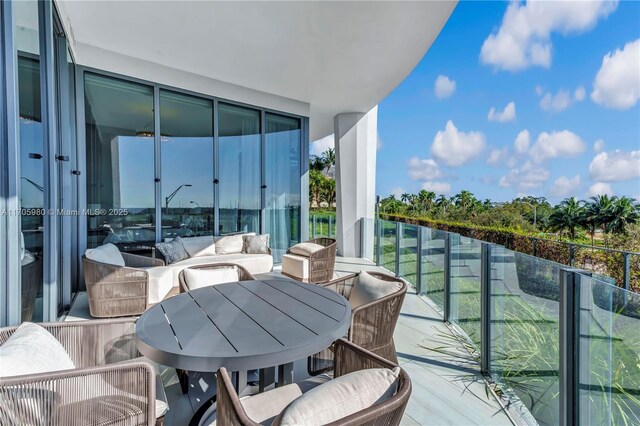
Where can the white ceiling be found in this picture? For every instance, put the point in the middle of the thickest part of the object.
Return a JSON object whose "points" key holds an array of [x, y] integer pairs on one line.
{"points": [[334, 56]]}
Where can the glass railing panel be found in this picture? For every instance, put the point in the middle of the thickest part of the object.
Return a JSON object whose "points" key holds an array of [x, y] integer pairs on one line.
{"points": [[388, 246], [408, 253], [432, 259], [465, 264], [524, 294], [609, 354]]}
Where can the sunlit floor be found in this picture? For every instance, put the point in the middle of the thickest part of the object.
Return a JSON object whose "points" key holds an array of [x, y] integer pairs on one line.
{"points": [[448, 389]]}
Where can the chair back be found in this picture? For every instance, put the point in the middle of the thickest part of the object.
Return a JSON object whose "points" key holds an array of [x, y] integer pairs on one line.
{"points": [[243, 273]]}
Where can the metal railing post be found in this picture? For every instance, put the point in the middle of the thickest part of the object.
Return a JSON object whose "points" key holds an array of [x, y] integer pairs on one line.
{"points": [[329, 230], [572, 252], [398, 241], [313, 226], [378, 240], [627, 270], [534, 243], [447, 277], [485, 308], [420, 231]]}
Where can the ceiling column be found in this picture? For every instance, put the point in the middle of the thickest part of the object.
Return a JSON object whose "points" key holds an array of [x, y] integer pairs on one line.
{"points": [[356, 141]]}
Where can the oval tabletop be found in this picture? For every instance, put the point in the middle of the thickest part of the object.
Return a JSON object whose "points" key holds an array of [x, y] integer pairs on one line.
{"points": [[242, 325]]}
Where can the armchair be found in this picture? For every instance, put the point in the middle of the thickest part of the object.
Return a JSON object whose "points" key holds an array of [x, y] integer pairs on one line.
{"points": [[314, 267]]}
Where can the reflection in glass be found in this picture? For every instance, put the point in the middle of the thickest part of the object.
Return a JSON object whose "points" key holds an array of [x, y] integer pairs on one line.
{"points": [[465, 261], [239, 163], [120, 163], [282, 177], [31, 158], [186, 128]]}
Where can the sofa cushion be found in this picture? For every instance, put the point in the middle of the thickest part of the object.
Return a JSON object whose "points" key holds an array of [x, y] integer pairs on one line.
{"points": [[199, 246], [295, 266], [254, 263], [198, 278], [255, 244], [107, 253], [341, 397], [161, 280], [173, 251], [30, 350], [368, 288], [305, 249], [229, 244]]}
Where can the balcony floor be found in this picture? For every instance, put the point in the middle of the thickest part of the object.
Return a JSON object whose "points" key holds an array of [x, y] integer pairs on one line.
{"points": [[448, 389]]}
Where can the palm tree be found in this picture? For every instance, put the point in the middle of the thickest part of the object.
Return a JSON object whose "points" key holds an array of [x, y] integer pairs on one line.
{"points": [[442, 202], [329, 159], [425, 199], [567, 216], [405, 197], [597, 213], [624, 212]]}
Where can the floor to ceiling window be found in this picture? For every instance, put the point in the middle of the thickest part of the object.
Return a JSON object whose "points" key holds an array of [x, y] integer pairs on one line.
{"points": [[186, 146], [120, 163], [240, 169], [31, 149], [282, 165]]}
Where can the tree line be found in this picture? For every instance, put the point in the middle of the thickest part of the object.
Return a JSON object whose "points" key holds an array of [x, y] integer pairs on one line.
{"points": [[322, 186]]}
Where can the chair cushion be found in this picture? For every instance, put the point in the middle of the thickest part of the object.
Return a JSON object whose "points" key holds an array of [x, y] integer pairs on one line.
{"points": [[173, 251], [200, 246], [30, 350], [295, 266], [305, 249], [255, 244], [368, 288], [264, 407], [341, 397], [161, 281], [229, 244], [198, 278], [254, 263], [107, 253]]}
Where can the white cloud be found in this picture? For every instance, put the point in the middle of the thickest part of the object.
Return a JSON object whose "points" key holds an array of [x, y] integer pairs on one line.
{"points": [[558, 102], [508, 114], [599, 188], [524, 36], [501, 158], [525, 178], [565, 187], [398, 192], [556, 144], [423, 169], [615, 166], [437, 187], [455, 148], [522, 142], [598, 145], [579, 94], [321, 145], [444, 87], [617, 84]]}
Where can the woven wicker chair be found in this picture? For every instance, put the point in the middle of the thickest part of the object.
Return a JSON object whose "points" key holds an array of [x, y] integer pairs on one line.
{"points": [[109, 385], [119, 291], [372, 325], [348, 358], [321, 263], [243, 274]]}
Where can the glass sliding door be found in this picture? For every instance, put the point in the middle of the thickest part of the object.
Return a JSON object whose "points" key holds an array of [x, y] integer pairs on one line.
{"points": [[186, 145], [32, 157], [120, 163], [282, 179]]}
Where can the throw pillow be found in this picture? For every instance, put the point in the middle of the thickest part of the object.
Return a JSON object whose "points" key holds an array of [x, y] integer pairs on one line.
{"points": [[305, 249], [107, 253], [341, 397], [173, 251], [199, 246], [368, 288], [201, 277], [229, 244], [255, 244]]}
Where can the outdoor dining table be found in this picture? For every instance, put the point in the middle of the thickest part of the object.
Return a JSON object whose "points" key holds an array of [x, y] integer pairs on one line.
{"points": [[243, 326]]}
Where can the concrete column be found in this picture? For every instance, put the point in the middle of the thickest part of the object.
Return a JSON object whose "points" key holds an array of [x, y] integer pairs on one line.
{"points": [[356, 141]]}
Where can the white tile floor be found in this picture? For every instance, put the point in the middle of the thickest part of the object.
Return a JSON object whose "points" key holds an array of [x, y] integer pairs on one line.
{"points": [[447, 389]]}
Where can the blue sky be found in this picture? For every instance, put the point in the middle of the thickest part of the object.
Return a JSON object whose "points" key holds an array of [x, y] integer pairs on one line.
{"points": [[564, 96]]}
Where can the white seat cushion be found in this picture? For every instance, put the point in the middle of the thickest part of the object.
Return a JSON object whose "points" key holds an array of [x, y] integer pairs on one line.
{"points": [[296, 266], [254, 263], [31, 349], [229, 244], [341, 397], [369, 288], [198, 278], [199, 246], [264, 407], [107, 253], [305, 249], [161, 281]]}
